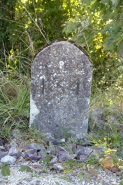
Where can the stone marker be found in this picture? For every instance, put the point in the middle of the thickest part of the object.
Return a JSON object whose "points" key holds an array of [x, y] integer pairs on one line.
{"points": [[60, 90]]}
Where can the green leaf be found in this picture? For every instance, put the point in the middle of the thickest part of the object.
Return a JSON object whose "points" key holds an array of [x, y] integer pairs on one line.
{"points": [[115, 160], [121, 183], [25, 168], [109, 47], [115, 2], [45, 160], [57, 183], [120, 154], [105, 1], [5, 170], [80, 176]]}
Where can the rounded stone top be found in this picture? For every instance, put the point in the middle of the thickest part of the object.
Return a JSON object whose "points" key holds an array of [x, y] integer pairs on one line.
{"points": [[59, 41]]}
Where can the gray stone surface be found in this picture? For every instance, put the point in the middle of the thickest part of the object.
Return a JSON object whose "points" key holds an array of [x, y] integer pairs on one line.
{"points": [[8, 159], [60, 90], [13, 151]]}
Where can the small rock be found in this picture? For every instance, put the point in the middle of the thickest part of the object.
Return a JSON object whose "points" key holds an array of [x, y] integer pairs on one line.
{"points": [[2, 154], [97, 148], [62, 140], [36, 146], [2, 148], [34, 157], [1, 142], [64, 155], [13, 151], [9, 159], [59, 149], [81, 150], [30, 151], [24, 155], [54, 141], [19, 155], [13, 143], [71, 148], [42, 154], [25, 163], [23, 147], [48, 136], [54, 160], [32, 154], [82, 157], [51, 149], [7, 147], [58, 166]]}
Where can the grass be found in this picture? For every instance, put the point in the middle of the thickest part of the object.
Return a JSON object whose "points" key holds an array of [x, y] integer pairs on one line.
{"points": [[14, 103]]}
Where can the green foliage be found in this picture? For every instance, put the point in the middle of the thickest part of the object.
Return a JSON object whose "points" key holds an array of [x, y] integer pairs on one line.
{"points": [[7, 14], [57, 183], [25, 168], [99, 30], [68, 179], [5, 170], [112, 14], [27, 25], [14, 103], [80, 176], [121, 183], [70, 163], [91, 160], [46, 160], [120, 153]]}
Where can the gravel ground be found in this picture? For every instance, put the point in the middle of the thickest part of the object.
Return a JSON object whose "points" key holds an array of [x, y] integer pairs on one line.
{"points": [[80, 176]]}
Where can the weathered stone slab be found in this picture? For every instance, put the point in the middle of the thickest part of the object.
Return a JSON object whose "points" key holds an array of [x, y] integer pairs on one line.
{"points": [[60, 90]]}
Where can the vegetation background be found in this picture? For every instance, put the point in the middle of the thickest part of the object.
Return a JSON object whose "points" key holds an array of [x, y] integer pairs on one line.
{"points": [[26, 25]]}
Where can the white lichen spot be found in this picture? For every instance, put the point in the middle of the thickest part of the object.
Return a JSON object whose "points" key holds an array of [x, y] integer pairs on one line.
{"points": [[89, 80], [50, 65], [42, 77], [88, 100], [33, 110], [54, 74], [61, 64]]}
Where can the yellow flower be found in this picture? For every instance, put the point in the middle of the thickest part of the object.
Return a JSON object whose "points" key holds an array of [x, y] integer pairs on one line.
{"points": [[106, 152], [105, 143], [64, 171], [99, 140], [94, 150], [109, 150], [105, 138], [95, 144]]}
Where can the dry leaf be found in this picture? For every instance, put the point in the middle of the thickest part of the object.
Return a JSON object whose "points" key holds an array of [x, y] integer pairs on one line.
{"points": [[107, 161]]}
